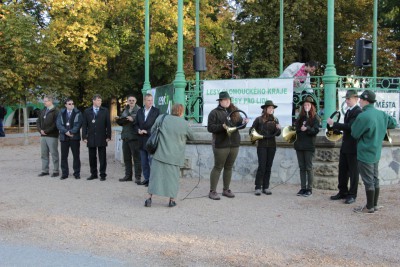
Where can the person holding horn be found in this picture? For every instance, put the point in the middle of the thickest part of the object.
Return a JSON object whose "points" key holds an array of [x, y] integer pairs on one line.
{"points": [[307, 128], [369, 130], [268, 126], [348, 151], [225, 146]]}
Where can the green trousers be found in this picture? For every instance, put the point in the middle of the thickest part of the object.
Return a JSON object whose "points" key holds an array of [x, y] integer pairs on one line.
{"points": [[224, 158]]}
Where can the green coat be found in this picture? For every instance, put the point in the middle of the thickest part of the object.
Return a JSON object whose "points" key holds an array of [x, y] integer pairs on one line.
{"points": [[128, 128], [174, 133], [369, 129]]}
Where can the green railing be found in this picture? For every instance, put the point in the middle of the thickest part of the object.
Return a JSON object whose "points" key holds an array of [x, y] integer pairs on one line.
{"points": [[194, 99]]}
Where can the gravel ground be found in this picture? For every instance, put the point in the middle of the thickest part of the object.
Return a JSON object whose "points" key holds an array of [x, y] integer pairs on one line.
{"points": [[108, 219]]}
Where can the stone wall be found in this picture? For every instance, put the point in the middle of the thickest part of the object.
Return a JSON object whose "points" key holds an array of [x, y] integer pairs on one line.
{"points": [[199, 160]]}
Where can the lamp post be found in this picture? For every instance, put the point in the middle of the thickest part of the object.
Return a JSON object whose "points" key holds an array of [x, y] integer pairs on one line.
{"points": [[233, 42], [180, 82], [146, 84], [330, 77]]}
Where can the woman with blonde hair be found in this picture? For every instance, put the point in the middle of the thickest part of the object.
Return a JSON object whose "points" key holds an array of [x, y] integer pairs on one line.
{"points": [[169, 156]]}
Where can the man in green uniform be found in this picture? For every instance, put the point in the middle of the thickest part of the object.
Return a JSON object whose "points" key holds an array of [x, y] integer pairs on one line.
{"points": [[369, 130]]}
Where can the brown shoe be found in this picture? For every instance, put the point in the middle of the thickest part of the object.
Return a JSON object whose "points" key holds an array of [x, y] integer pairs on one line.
{"points": [[228, 193], [214, 195]]}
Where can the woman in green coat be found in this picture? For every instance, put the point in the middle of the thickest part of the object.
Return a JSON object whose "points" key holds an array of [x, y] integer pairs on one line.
{"points": [[169, 156]]}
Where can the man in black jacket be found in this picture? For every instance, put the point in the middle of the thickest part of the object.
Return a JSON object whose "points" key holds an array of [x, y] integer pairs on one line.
{"points": [[130, 145], [96, 132], [46, 125], [348, 152], [69, 123], [145, 119]]}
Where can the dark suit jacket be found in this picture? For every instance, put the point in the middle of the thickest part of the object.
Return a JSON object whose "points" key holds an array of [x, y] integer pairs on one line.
{"points": [[349, 144], [74, 127], [96, 133], [142, 124]]}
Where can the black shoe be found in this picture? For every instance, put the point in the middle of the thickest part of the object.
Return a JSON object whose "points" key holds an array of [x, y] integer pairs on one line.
{"points": [[92, 177], [77, 176], [307, 193], [147, 202], [171, 203], [63, 177], [102, 178], [350, 200], [43, 174], [55, 174], [338, 196], [138, 181], [125, 179], [146, 183], [301, 192]]}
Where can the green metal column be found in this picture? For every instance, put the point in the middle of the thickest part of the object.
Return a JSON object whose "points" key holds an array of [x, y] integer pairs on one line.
{"points": [[281, 38], [330, 78], [375, 44], [146, 84], [180, 82], [197, 89]]}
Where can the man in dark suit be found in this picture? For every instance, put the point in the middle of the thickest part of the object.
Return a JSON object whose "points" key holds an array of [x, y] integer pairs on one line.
{"points": [[348, 152], [69, 123], [96, 132], [145, 119]]}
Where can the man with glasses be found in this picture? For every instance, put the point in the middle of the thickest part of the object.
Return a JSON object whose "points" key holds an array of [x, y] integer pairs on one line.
{"points": [[69, 123], [96, 133], [46, 125], [130, 145]]}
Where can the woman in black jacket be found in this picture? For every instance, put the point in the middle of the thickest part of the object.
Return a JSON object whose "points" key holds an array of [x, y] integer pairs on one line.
{"points": [[307, 128], [268, 126], [225, 147]]}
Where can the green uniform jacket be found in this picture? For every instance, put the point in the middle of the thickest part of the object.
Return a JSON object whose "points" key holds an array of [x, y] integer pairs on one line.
{"points": [[369, 129], [171, 146]]}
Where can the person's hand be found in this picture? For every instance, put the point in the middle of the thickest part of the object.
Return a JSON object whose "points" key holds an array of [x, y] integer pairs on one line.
{"points": [[129, 118], [144, 131], [224, 126], [108, 140], [246, 120], [278, 126], [42, 132], [330, 122], [303, 128], [85, 140], [68, 134]]}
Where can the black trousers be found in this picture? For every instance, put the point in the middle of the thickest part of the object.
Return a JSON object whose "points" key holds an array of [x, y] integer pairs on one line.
{"points": [[348, 170], [131, 149], [75, 149], [265, 159], [102, 159]]}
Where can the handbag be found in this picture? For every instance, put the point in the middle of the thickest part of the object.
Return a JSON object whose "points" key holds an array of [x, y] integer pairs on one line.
{"points": [[152, 142]]}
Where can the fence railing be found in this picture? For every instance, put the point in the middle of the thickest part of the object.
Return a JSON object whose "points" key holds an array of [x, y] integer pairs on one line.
{"points": [[194, 98]]}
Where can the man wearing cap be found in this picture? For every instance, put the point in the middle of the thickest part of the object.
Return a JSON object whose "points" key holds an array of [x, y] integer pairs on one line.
{"points": [[225, 147], [369, 130], [268, 126], [348, 151]]}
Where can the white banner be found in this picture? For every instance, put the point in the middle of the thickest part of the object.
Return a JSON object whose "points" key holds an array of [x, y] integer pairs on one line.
{"points": [[387, 102], [249, 95]]}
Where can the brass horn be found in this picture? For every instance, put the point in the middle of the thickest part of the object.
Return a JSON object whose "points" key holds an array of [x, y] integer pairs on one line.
{"points": [[230, 130], [254, 136], [387, 137], [331, 134], [289, 134]]}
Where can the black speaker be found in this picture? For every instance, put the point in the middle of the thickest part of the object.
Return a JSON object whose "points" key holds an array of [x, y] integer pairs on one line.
{"points": [[363, 53], [199, 59]]}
